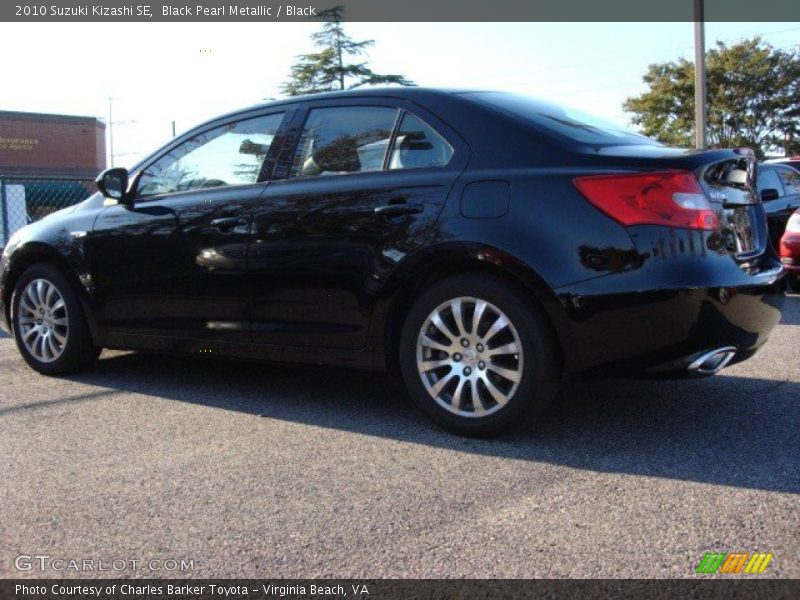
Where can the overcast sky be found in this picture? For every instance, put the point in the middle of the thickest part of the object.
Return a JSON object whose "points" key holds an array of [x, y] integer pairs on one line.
{"points": [[189, 72]]}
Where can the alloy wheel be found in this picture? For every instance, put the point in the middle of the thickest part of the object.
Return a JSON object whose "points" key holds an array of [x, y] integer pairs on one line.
{"points": [[43, 321], [469, 357]]}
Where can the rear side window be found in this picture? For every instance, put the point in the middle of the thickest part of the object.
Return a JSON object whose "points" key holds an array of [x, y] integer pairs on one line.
{"points": [[418, 146], [228, 155], [564, 121], [344, 140], [768, 179], [790, 179]]}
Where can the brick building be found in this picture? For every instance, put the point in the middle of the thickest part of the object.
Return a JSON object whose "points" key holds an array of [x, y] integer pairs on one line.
{"points": [[45, 145]]}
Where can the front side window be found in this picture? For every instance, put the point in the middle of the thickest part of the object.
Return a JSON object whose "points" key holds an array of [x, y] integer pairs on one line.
{"points": [[790, 179], [768, 180], [351, 139], [418, 146], [228, 155]]}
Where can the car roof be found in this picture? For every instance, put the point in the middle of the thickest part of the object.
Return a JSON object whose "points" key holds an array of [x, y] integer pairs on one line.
{"points": [[785, 159], [401, 92], [776, 165], [409, 92]]}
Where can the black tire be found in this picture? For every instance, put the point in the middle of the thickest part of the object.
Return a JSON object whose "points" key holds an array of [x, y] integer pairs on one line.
{"points": [[538, 370], [78, 352]]}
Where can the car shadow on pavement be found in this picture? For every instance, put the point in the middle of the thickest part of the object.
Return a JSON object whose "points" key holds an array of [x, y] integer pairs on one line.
{"points": [[726, 430]]}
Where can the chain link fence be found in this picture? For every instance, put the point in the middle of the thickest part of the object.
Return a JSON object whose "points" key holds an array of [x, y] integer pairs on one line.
{"points": [[27, 199]]}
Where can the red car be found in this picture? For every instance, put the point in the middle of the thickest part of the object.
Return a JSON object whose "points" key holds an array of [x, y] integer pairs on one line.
{"points": [[790, 249]]}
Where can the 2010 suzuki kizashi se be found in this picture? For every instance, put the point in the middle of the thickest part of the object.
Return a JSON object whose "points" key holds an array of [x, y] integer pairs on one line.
{"points": [[482, 245]]}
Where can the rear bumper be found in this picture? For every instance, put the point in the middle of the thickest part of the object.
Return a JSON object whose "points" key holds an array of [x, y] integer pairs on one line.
{"points": [[661, 331]]}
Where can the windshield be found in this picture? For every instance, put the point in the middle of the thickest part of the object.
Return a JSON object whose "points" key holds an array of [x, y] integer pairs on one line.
{"points": [[565, 121]]}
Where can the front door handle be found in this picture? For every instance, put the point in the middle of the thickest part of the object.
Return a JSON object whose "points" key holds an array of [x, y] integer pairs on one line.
{"points": [[396, 210], [228, 223]]}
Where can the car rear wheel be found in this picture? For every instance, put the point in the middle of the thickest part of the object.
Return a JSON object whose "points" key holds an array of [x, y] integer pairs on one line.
{"points": [[49, 324], [477, 356]]}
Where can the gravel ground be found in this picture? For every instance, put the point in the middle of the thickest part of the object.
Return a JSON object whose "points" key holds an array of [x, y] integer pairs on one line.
{"points": [[272, 471]]}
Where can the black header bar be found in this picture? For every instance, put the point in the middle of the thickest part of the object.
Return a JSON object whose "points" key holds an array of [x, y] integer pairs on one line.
{"points": [[734, 588], [399, 10]]}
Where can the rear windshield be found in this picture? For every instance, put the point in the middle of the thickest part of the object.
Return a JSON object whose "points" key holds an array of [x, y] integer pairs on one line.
{"points": [[565, 121]]}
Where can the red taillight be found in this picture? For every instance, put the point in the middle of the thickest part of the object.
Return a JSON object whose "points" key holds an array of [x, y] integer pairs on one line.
{"points": [[670, 198], [789, 247]]}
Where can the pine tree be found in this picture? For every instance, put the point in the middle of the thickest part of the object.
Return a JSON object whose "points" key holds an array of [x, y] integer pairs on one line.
{"points": [[326, 70]]}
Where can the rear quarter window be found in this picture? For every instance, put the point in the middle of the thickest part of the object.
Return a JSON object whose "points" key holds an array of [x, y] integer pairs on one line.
{"points": [[566, 122]]}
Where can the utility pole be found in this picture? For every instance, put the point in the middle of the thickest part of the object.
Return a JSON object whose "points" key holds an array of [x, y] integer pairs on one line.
{"points": [[110, 132], [111, 123], [699, 75], [173, 129]]}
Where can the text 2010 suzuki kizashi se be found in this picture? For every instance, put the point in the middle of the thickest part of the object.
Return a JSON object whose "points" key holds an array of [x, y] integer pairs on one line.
{"points": [[481, 244]]}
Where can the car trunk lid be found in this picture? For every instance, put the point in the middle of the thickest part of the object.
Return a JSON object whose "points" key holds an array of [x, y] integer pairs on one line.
{"points": [[728, 178]]}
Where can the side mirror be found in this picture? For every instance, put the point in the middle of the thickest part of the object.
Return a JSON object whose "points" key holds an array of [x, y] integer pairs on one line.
{"points": [[737, 177], [769, 194], [113, 183]]}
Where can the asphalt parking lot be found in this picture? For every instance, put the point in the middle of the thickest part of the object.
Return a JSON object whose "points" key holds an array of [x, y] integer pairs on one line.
{"points": [[274, 471]]}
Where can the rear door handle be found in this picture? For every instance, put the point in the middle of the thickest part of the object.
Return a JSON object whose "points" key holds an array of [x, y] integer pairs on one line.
{"points": [[395, 210], [228, 223]]}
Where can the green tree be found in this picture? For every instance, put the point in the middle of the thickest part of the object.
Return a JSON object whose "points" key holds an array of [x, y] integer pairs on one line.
{"points": [[326, 70], [753, 98]]}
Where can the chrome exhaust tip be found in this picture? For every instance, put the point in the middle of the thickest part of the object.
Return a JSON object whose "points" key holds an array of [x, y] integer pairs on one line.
{"points": [[713, 361]]}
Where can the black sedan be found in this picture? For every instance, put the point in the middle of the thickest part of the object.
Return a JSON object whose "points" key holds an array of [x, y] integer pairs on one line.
{"points": [[779, 188], [480, 245], [789, 161]]}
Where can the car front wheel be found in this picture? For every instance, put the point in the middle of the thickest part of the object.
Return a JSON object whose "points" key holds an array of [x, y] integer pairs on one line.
{"points": [[49, 325], [477, 356]]}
